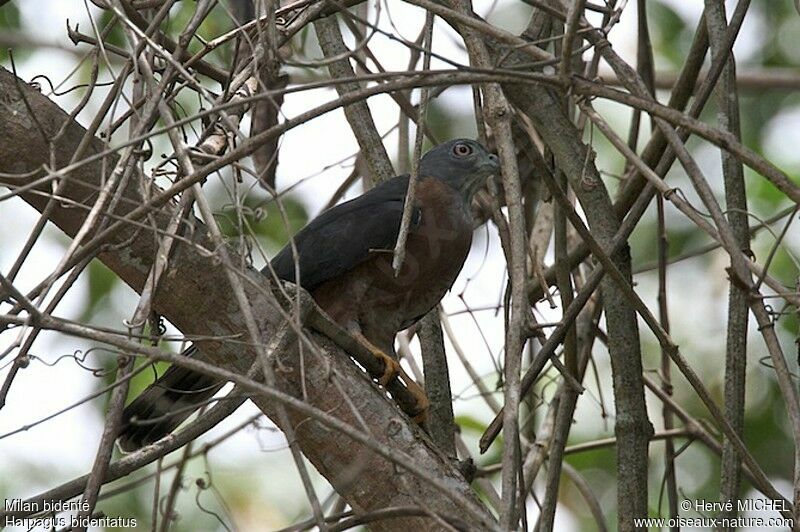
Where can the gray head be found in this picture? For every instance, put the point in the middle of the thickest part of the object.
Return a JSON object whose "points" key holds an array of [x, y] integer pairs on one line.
{"points": [[463, 164]]}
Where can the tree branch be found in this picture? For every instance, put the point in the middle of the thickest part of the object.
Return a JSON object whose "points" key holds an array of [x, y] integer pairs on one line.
{"points": [[195, 296]]}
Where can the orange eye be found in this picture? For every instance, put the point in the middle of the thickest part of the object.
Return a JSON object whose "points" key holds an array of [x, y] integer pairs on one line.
{"points": [[462, 150]]}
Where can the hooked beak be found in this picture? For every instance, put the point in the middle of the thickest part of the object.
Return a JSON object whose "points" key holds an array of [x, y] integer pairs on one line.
{"points": [[492, 164]]}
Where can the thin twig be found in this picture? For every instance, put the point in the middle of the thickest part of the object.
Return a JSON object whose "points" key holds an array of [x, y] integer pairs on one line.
{"points": [[408, 205]]}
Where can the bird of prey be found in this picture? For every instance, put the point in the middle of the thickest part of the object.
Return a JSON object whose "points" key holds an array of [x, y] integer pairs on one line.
{"points": [[344, 260]]}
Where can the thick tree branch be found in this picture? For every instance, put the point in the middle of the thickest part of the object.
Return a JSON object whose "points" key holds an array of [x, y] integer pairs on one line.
{"points": [[738, 311], [195, 296], [358, 114], [632, 426]]}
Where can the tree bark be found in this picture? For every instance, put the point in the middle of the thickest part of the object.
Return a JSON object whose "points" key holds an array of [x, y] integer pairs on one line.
{"points": [[195, 296], [632, 427]]}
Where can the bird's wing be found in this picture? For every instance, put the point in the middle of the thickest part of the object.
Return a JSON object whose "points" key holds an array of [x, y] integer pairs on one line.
{"points": [[342, 237]]}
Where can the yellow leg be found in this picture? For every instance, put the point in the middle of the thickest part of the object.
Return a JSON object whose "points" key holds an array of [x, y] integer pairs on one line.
{"points": [[392, 370], [420, 413]]}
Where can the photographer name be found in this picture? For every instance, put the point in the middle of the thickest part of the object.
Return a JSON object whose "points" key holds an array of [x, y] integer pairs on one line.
{"points": [[742, 505]]}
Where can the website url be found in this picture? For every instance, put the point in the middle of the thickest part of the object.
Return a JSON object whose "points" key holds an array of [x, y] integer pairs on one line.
{"points": [[714, 522]]}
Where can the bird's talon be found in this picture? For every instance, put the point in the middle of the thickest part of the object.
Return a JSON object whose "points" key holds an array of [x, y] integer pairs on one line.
{"points": [[421, 417], [419, 414], [391, 369]]}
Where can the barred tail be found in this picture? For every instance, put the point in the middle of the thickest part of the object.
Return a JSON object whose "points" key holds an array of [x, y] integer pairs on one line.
{"points": [[164, 405]]}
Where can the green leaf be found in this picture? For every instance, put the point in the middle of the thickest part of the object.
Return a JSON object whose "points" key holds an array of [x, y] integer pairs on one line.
{"points": [[668, 28], [100, 284], [263, 219], [9, 20], [9, 17], [470, 423]]}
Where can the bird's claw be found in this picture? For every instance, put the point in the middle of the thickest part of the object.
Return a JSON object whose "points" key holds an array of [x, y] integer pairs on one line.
{"points": [[391, 369], [422, 417], [419, 414]]}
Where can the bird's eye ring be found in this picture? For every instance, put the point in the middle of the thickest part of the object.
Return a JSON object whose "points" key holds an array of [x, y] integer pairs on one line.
{"points": [[462, 150]]}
